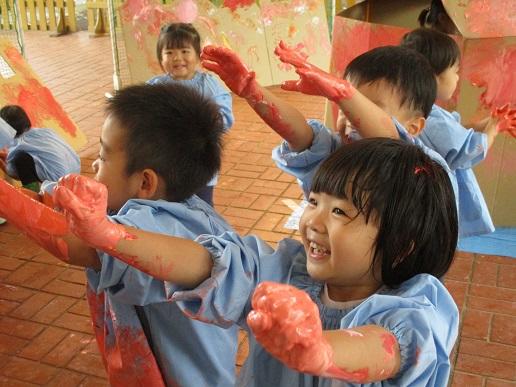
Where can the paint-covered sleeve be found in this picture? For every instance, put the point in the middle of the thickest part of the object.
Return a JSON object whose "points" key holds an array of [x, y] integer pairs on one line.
{"points": [[461, 148], [304, 164], [240, 263], [424, 319], [214, 89]]}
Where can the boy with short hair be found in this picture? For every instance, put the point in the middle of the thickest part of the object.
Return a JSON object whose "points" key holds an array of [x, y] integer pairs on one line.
{"points": [[159, 145], [389, 93]]}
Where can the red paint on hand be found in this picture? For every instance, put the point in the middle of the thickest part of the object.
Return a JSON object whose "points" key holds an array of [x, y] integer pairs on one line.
{"points": [[228, 66], [84, 202], [506, 119], [41, 223], [286, 322]]}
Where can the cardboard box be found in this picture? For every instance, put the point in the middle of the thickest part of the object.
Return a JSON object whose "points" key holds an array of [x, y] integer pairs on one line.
{"points": [[487, 76]]}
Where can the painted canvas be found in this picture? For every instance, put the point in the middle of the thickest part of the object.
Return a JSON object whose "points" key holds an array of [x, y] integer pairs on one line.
{"points": [[251, 28], [19, 85]]}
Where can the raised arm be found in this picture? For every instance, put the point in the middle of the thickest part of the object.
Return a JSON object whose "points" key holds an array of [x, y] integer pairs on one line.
{"points": [[286, 322], [44, 226], [283, 118], [178, 260], [367, 118]]}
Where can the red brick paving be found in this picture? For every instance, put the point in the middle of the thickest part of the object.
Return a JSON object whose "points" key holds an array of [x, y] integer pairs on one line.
{"points": [[45, 334]]}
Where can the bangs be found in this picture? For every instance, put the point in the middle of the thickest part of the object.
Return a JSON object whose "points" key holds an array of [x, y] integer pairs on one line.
{"points": [[178, 40]]}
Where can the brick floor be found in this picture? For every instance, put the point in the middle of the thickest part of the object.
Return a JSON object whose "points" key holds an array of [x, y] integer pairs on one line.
{"points": [[45, 335]]}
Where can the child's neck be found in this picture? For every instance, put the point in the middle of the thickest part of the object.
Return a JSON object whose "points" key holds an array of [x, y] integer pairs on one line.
{"points": [[340, 293]]}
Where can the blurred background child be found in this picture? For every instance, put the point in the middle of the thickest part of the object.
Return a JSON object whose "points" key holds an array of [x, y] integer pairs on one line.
{"points": [[178, 50], [35, 154]]}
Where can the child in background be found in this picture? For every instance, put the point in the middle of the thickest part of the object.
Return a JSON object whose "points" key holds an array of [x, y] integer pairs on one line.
{"points": [[369, 259], [461, 148], [178, 51], [159, 145], [36, 155], [436, 17], [7, 134]]}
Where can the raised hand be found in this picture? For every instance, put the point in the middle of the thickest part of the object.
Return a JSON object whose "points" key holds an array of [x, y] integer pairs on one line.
{"points": [[228, 66], [506, 117], [41, 223], [286, 322], [314, 81], [84, 202], [291, 56]]}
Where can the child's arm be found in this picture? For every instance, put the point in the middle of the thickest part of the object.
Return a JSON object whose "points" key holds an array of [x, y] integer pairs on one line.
{"points": [[45, 226], [84, 201], [368, 119], [283, 118], [286, 322]]}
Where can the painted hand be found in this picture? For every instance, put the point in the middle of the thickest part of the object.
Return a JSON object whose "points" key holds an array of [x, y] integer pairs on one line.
{"points": [[314, 81], [41, 223], [228, 66], [286, 322], [84, 202], [506, 117], [291, 56]]}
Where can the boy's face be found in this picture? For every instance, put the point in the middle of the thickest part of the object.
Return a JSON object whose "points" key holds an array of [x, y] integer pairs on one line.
{"points": [[388, 99], [110, 165], [447, 82], [180, 63], [339, 246]]}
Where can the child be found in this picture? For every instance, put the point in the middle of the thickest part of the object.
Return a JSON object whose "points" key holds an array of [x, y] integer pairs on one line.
{"points": [[159, 145], [178, 51], [390, 92], [369, 258], [461, 148], [35, 154], [7, 134], [436, 17]]}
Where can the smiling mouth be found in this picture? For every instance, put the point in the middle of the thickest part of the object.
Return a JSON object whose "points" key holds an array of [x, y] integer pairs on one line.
{"points": [[318, 251]]}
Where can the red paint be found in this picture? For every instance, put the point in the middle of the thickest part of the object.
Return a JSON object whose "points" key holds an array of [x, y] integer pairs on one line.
{"points": [[84, 202], [491, 18], [39, 222], [491, 66], [312, 80], [506, 120], [125, 351], [233, 5], [36, 99], [286, 322], [358, 376], [389, 344]]}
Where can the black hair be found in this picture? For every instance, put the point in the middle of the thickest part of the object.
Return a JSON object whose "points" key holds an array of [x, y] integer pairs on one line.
{"points": [[178, 35], [407, 71], [173, 130], [17, 118], [436, 17], [438, 48], [409, 197]]}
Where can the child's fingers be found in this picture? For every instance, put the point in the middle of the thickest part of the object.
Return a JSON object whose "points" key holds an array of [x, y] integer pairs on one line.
{"points": [[290, 85], [258, 321], [212, 66], [66, 199]]}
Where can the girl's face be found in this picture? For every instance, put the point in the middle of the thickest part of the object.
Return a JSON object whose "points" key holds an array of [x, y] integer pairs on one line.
{"points": [[180, 63], [339, 246], [447, 82]]}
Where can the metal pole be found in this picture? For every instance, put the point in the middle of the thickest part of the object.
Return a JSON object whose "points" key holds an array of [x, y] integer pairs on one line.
{"points": [[117, 82]]}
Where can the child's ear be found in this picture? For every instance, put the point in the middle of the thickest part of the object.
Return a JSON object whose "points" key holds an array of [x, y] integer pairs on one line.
{"points": [[416, 126], [150, 187]]}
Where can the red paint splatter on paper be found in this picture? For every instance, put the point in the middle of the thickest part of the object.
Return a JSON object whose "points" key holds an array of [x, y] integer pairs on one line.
{"points": [[492, 67], [36, 99], [233, 5], [491, 18]]}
